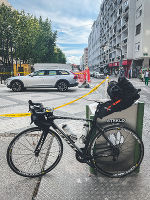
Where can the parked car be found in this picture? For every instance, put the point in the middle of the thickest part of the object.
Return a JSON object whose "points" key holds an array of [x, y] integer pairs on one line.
{"points": [[96, 74], [92, 74], [101, 75], [60, 79]]}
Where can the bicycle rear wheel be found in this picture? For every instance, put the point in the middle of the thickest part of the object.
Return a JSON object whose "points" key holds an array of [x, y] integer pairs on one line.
{"points": [[21, 156], [121, 158]]}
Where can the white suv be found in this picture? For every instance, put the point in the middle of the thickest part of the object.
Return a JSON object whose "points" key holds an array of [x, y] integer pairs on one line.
{"points": [[60, 79]]}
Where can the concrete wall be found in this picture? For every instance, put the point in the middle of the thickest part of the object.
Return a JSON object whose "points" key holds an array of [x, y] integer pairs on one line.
{"points": [[131, 29], [146, 27]]}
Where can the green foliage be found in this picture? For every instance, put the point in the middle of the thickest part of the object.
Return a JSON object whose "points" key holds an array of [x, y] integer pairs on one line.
{"points": [[26, 38]]}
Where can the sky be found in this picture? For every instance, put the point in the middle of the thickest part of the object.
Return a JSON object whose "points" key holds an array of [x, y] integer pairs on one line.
{"points": [[72, 19]]}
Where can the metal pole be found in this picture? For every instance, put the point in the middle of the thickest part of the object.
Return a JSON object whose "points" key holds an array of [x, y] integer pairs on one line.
{"points": [[121, 58]]}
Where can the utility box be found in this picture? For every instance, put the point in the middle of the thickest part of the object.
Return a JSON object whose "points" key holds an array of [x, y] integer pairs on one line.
{"points": [[131, 117]]}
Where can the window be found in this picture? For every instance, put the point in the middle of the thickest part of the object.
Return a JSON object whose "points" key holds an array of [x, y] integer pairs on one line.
{"points": [[51, 73], [39, 73], [138, 29], [126, 4], [62, 72], [20, 69], [137, 46], [139, 12]]}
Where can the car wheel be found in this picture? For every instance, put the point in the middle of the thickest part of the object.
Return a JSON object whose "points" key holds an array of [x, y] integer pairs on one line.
{"points": [[62, 86], [16, 86]]}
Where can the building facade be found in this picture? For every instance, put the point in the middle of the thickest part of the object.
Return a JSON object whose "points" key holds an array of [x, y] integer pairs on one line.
{"points": [[121, 32], [84, 59]]}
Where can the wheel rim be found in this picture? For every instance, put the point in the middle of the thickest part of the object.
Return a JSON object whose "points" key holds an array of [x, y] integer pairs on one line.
{"points": [[22, 157], [16, 87], [62, 86], [122, 160]]}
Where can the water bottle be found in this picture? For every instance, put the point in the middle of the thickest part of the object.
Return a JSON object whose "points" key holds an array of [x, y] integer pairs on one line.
{"points": [[112, 138], [84, 133], [67, 130], [120, 138]]}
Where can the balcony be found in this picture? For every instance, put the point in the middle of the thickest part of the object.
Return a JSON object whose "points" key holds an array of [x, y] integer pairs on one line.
{"points": [[125, 41], [118, 18], [127, 8], [120, 2], [124, 26]]}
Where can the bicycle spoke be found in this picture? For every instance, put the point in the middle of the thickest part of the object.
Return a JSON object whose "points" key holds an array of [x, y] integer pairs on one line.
{"points": [[25, 161], [30, 165], [26, 147], [119, 160], [22, 159], [22, 154], [29, 143]]}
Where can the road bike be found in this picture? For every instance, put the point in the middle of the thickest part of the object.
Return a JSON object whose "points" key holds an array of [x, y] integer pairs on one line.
{"points": [[113, 150]]}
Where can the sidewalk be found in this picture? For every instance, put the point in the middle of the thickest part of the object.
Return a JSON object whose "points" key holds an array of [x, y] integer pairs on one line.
{"points": [[71, 180]]}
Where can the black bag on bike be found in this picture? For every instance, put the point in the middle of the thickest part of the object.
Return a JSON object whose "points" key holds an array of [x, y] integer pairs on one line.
{"points": [[122, 94], [107, 108], [124, 90]]}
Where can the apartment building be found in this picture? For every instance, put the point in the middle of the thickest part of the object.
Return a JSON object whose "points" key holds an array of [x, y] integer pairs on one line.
{"points": [[84, 59], [121, 32]]}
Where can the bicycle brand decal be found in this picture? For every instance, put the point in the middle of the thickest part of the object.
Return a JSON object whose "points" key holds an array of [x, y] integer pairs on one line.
{"points": [[116, 120]]}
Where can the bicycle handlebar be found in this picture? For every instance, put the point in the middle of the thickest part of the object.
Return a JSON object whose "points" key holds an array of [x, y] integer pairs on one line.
{"points": [[36, 108]]}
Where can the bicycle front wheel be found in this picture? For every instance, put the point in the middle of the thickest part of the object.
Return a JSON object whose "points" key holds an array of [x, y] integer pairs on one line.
{"points": [[21, 156], [118, 153]]}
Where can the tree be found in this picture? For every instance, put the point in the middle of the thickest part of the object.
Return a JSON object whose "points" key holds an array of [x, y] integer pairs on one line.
{"points": [[26, 38]]}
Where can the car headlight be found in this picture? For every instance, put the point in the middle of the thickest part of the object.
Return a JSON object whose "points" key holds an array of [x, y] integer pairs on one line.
{"points": [[7, 81]]}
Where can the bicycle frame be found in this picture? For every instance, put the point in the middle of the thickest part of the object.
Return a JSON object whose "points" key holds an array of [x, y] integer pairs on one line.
{"points": [[46, 127]]}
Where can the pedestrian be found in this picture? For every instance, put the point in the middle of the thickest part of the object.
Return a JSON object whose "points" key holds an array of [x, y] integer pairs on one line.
{"points": [[142, 76], [122, 72], [146, 76]]}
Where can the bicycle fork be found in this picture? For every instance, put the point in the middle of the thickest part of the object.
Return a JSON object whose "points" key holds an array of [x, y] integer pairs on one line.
{"points": [[41, 142]]}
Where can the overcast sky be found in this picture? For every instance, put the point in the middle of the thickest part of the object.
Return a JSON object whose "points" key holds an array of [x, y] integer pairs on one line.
{"points": [[71, 18]]}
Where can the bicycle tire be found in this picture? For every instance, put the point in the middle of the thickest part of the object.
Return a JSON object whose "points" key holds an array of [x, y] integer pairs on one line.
{"points": [[130, 151], [21, 157]]}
